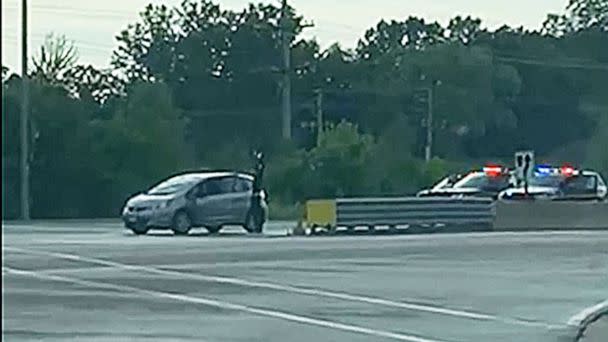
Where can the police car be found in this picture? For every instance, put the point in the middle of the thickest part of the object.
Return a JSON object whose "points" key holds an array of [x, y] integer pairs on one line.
{"points": [[565, 183], [488, 182], [445, 183]]}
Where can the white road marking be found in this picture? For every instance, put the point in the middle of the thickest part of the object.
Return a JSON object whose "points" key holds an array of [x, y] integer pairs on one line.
{"points": [[236, 264], [588, 314], [228, 306], [45, 292], [293, 289]]}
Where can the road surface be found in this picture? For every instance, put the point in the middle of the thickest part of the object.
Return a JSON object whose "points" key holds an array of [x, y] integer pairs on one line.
{"points": [[90, 281], [597, 332]]}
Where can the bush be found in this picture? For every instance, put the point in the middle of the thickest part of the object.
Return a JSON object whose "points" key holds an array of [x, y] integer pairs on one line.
{"points": [[348, 163]]}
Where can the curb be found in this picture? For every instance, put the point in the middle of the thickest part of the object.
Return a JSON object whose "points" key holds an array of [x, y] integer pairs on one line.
{"points": [[583, 319]]}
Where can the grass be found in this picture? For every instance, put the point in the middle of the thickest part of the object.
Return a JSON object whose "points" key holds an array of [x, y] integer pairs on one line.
{"points": [[284, 212]]}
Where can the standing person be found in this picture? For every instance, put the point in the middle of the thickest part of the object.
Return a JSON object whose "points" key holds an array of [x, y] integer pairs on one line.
{"points": [[256, 197], [259, 171]]}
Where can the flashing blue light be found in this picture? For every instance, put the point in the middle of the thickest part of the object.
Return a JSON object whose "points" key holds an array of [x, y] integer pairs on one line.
{"points": [[544, 170]]}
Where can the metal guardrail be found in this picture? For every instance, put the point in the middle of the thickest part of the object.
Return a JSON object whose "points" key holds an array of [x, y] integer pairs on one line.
{"points": [[402, 211]]}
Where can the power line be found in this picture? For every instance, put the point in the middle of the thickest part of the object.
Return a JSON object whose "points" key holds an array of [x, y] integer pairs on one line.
{"points": [[589, 65], [93, 13], [81, 45]]}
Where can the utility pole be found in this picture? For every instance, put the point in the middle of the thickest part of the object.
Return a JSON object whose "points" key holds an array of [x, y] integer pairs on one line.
{"points": [[319, 93], [25, 109], [286, 83], [428, 150]]}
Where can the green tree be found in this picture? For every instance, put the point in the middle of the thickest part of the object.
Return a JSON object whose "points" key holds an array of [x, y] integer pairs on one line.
{"points": [[597, 156], [580, 15], [141, 144], [56, 58], [340, 161]]}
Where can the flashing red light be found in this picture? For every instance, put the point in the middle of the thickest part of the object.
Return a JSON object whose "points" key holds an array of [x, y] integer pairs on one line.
{"points": [[567, 170], [492, 171]]}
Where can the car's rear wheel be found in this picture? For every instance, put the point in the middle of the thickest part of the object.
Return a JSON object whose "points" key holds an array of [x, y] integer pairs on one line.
{"points": [[181, 223]]}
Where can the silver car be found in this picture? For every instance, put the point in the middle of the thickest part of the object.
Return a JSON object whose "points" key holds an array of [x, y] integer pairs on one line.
{"points": [[206, 199]]}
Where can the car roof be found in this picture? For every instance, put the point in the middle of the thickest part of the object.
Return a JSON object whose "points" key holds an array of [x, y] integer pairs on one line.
{"points": [[212, 174], [589, 173]]}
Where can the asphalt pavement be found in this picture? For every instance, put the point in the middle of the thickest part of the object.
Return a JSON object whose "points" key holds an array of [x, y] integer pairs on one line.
{"points": [[597, 332], [94, 281]]}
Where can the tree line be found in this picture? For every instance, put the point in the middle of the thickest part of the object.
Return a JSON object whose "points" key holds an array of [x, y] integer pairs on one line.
{"points": [[197, 86]]}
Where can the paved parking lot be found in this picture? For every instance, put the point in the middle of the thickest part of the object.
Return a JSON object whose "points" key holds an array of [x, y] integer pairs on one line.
{"points": [[93, 281]]}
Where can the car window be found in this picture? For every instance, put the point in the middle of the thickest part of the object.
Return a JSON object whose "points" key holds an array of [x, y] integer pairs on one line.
{"points": [[172, 185], [600, 182], [216, 186], [581, 183], [243, 185], [546, 181]]}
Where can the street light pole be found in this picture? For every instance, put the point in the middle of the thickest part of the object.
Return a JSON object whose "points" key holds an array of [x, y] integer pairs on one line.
{"points": [[286, 84], [428, 150], [319, 109], [25, 109]]}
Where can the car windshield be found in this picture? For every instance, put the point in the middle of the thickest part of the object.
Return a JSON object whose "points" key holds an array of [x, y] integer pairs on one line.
{"points": [[444, 183], [482, 181], [474, 180], [172, 186]]}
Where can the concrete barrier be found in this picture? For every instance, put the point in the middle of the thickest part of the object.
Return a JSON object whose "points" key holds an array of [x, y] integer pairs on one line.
{"points": [[550, 215]]}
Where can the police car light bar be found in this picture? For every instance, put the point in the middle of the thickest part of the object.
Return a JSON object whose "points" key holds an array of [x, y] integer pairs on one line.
{"points": [[492, 170], [567, 170], [545, 170]]}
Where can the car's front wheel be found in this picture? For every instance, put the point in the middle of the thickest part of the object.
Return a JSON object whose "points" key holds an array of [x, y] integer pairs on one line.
{"points": [[181, 223], [139, 230]]}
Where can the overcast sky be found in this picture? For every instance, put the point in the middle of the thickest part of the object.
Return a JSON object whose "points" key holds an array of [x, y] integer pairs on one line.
{"points": [[93, 24]]}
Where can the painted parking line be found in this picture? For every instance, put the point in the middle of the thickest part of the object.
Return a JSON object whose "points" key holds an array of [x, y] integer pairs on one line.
{"points": [[428, 308], [227, 306]]}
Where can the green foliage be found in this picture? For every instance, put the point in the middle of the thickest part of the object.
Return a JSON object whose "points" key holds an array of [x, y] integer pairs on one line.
{"points": [[597, 154], [340, 160], [56, 57]]}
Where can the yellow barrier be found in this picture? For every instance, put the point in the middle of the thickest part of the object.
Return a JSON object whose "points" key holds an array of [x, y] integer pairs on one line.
{"points": [[321, 213]]}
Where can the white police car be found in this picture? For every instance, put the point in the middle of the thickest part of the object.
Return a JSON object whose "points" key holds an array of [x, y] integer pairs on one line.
{"points": [[488, 182], [565, 183]]}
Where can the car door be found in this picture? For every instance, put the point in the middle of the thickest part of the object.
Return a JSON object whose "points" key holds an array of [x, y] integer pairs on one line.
{"points": [[243, 188], [602, 189], [213, 201]]}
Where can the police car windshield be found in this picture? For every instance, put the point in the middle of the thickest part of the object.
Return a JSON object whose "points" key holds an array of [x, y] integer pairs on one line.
{"points": [[172, 186], [480, 180], [473, 180]]}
